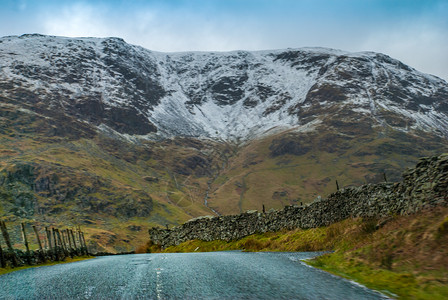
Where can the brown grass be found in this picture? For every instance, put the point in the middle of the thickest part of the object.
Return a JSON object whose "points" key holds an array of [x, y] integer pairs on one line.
{"points": [[149, 247], [405, 255]]}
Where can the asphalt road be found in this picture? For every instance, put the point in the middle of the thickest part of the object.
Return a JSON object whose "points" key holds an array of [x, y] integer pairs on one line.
{"points": [[215, 275]]}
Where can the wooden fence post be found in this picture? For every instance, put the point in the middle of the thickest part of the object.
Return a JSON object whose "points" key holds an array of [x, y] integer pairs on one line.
{"points": [[62, 238], [67, 241], [81, 247], [74, 242], [2, 258], [64, 241], [85, 244], [71, 241], [45, 243], [55, 240], [58, 243], [67, 235], [61, 242], [41, 250], [25, 239], [337, 185], [50, 246], [8, 244], [385, 178]]}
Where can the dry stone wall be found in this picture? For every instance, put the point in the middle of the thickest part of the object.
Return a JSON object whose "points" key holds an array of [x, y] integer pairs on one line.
{"points": [[424, 186]]}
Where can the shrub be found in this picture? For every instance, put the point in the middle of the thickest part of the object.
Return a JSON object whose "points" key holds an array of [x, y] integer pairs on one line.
{"points": [[442, 230], [252, 244], [369, 226]]}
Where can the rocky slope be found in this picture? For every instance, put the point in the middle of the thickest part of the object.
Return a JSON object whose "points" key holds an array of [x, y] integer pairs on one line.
{"points": [[118, 138]]}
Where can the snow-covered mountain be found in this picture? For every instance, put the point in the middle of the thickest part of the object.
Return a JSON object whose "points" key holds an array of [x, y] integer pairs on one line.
{"points": [[134, 91]]}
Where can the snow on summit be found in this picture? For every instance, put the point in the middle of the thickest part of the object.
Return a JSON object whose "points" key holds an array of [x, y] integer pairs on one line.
{"points": [[228, 95]]}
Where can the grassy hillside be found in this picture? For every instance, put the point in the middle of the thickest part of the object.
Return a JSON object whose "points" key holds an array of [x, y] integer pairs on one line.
{"points": [[405, 257], [293, 167], [63, 172]]}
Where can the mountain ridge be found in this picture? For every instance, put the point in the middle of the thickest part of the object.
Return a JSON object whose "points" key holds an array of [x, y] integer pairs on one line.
{"points": [[227, 95]]}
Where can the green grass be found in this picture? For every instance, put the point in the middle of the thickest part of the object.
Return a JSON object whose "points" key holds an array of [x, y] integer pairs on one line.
{"points": [[405, 285], [67, 260]]}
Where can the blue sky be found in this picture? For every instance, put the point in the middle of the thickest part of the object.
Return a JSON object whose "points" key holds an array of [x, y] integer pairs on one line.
{"points": [[415, 32]]}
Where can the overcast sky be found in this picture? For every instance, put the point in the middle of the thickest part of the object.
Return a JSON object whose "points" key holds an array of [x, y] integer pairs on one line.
{"points": [[413, 31]]}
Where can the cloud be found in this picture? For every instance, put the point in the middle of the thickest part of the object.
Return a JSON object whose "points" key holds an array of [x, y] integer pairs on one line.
{"points": [[75, 21], [153, 27], [186, 32], [422, 46], [22, 5]]}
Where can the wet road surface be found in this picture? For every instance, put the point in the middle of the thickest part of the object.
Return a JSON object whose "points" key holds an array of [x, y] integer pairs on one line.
{"points": [[213, 275]]}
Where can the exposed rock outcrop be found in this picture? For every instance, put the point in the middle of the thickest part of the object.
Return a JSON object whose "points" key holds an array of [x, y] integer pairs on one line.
{"points": [[422, 187], [27, 189]]}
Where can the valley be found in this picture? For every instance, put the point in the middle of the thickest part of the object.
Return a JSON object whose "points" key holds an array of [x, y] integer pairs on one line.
{"points": [[117, 138]]}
